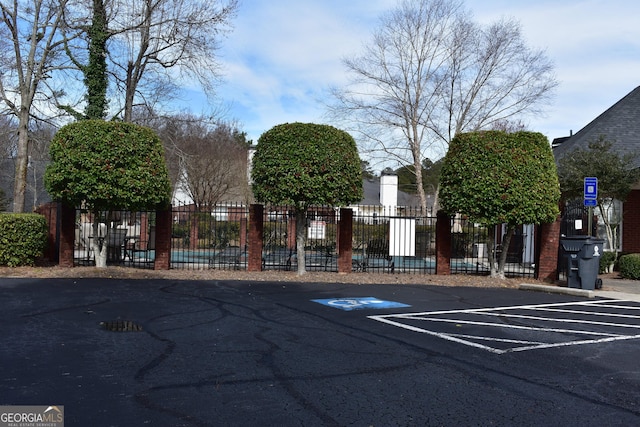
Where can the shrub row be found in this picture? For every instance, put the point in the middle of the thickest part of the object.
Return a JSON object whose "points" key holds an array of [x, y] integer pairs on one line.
{"points": [[23, 238], [630, 266]]}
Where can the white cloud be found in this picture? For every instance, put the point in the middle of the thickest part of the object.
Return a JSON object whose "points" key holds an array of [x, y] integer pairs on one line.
{"points": [[283, 54], [594, 44]]}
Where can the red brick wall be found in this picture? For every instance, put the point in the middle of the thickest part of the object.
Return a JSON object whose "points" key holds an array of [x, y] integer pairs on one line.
{"points": [[50, 213], [256, 231], [67, 235], [443, 244], [631, 223], [345, 240], [163, 240], [548, 242]]}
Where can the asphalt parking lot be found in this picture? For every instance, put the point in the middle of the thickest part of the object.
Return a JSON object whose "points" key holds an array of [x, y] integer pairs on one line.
{"points": [[208, 353]]}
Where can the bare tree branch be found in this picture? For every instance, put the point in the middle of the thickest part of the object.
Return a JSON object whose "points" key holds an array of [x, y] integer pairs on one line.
{"points": [[30, 46], [429, 73]]}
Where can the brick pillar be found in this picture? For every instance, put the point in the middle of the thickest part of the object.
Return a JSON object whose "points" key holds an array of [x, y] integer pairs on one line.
{"points": [[193, 229], [256, 230], [443, 243], [144, 231], [163, 240], [50, 213], [67, 235], [243, 232], [345, 240], [548, 243]]}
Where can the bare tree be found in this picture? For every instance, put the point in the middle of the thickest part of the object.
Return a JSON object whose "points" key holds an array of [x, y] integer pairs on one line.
{"points": [[40, 136], [214, 166], [8, 146], [134, 52], [208, 161], [30, 43], [8, 149], [156, 42], [430, 72]]}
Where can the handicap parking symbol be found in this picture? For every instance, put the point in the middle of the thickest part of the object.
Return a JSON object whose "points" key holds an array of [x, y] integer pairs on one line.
{"points": [[359, 303]]}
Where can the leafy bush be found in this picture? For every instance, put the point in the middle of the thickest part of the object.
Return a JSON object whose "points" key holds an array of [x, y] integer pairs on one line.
{"points": [[180, 231], [3, 201], [23, 238], [107, 165], [630, 266], [364, 233], [224, 232], [304, 164], [606, 260]]}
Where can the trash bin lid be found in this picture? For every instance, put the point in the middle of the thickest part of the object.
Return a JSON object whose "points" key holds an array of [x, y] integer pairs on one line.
{"points": [[573, 243]]}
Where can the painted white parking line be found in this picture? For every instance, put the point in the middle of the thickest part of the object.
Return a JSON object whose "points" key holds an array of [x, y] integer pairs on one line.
{"points": [[526, 327]]}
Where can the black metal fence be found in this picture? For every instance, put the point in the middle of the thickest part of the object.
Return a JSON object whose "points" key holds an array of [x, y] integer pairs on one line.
{"points": [[209, 238], [470, 249], [279, 244], [129, 237], [384, 240], [393, 240]]}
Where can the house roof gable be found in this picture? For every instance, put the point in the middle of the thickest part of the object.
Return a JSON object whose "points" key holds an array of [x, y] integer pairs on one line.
{"points": [[619, 124]]}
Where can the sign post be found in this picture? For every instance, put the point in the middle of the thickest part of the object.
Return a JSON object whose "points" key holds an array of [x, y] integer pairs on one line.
{"points": [[590, 198]]}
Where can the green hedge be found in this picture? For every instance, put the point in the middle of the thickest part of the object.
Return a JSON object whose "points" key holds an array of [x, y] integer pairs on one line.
{"points": [[23, 238], [630, 266]]}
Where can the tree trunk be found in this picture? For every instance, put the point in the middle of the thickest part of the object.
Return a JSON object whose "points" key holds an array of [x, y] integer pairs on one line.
{"points": [[417, 167], [22, 162], [301, 222], [491, 243], [99, 242], [131, 84], [498, 272]]}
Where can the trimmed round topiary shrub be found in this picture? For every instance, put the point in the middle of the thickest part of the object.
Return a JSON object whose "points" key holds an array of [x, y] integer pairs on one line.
{"points": [[630, 266]]}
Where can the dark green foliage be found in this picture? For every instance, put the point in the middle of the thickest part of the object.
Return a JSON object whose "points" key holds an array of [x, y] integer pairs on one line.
{"points": [[23, 238], [108, 165], [3, 201], [630, 266], [180, 231], [606, 260], [95, 72], [223, 233], [495, 177], [614, 171], [304, 164]]}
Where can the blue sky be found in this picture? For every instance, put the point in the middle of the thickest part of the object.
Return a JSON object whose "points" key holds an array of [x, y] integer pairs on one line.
{"points": [[284, 54]]}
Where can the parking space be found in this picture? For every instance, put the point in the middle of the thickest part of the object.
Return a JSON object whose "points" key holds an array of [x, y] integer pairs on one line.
{"points": [[250, 353], [527, 327]]}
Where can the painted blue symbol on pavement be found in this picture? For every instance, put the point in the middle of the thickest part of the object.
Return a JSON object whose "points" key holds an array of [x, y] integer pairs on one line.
{"points": [[359, 303]]}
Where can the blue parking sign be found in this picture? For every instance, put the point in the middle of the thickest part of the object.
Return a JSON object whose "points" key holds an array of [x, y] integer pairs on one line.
{"points": [[590, 188]]}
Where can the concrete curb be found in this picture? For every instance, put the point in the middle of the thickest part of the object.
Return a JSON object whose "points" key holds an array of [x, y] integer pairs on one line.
{"points": [[558, 290], [620, 295]]}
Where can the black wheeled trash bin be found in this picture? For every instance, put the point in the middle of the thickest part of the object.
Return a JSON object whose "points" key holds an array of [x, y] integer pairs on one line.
{"points": [[582, 255]]}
